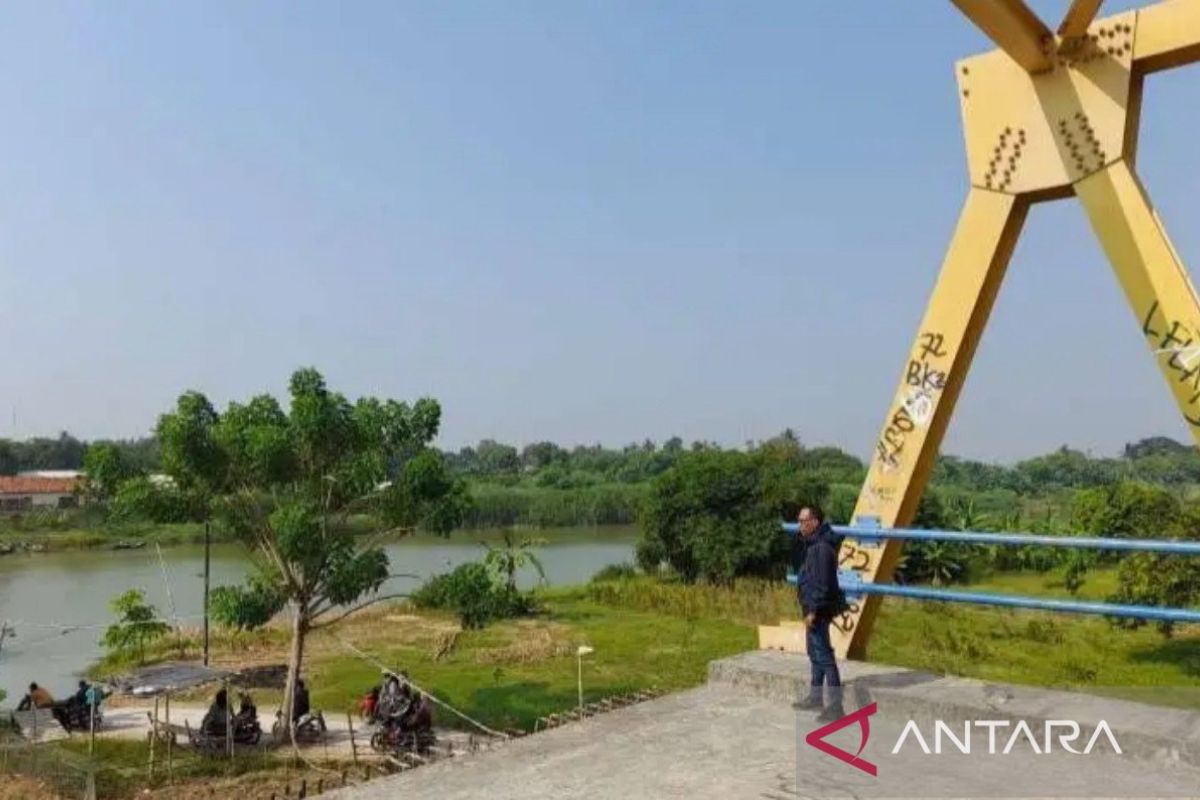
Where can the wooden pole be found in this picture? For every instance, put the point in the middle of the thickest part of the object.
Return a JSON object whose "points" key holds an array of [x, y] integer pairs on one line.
{"points": [[229, 721], [92, 729], [153, 736], [5, 631], [353, 746], [170, 742], [207, 561]]}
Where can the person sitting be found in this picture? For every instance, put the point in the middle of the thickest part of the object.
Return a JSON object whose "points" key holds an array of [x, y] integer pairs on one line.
{"points": [[94, 697], [247, 711], [400, 710], [389, 698], [300, 703], [75, 711], [369, 704], [37, 698], [420, 717], [216, 720]]}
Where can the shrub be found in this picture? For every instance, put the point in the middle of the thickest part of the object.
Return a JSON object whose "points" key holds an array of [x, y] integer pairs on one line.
{"points": [[616, 572], [140, 499], [138, 624], [472, 591], [715, 515]]}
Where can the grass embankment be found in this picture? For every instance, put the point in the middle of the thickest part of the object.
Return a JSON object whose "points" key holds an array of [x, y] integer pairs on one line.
{"points": [[103, 537], [119, 768], [647, 632], [1042, 649], [652, 633], [498, 505], [506, 675]]}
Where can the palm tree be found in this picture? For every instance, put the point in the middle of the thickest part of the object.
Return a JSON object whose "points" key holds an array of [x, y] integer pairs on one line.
{"points": [[504, 562]]}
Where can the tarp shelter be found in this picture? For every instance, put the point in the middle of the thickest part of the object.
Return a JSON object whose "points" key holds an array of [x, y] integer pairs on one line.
{"points": [[166, 678]]}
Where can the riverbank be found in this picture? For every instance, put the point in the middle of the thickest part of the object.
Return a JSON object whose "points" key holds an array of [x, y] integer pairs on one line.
{"points": [[647, 632], [27, 540], [22, 540]]}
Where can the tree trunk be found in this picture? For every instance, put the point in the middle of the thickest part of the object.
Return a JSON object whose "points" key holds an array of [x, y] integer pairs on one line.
{"points": [[300, 626]]}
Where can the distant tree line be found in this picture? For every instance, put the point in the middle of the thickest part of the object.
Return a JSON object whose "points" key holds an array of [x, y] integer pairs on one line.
{"points": [[1158, 460], [67, 452]]}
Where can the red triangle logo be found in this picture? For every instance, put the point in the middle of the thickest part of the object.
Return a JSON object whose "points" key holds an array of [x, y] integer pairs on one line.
{"points": [[817, 738]]}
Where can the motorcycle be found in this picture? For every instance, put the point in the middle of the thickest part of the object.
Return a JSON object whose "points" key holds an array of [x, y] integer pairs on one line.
{"points": [[309, 728], [392, 737], [77, 717]]}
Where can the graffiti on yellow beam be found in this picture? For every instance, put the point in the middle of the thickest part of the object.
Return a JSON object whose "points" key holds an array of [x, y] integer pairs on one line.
{"points": [[1043, 118]]}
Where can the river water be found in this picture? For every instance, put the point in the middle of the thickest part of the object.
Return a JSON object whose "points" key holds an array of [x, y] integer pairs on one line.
{"points": [[58, 603]]}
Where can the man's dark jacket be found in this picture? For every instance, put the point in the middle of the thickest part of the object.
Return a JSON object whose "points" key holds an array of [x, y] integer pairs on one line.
{"points": [[819, 590], [800, 547]]}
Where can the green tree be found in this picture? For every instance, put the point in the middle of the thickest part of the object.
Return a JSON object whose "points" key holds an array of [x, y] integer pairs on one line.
{"points": [[286, 483], [9, 463], [1077, 562], [106, 469], [141, 499], [715, 515], [504, 562], [137, 624], [1159, 579], [934, 562], [497, 459], [472, 591], [1127, 509]]}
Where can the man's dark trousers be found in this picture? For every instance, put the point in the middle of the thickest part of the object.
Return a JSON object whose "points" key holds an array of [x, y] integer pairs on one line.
{"points": [[820, 656]]}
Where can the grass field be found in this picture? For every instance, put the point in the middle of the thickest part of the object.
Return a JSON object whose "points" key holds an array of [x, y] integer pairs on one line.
{"points": [[650, 633]]}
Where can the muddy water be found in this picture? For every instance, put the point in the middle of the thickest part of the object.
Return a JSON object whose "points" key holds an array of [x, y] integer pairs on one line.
{"points": [[58, 602]]}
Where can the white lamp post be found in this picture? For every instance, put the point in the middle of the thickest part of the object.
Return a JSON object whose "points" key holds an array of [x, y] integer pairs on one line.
{"points": [[579, 654]]}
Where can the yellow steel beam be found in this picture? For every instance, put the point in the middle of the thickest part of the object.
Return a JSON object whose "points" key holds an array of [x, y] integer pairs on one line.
{"points": [[1168, 35], [1037, 128], [1078, 17], [1153, 277], [1015, 29], [933, 375]]}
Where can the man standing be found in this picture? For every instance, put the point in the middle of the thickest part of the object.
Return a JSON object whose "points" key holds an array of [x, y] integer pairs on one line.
{"points": [[812, 527], [821, 599]]}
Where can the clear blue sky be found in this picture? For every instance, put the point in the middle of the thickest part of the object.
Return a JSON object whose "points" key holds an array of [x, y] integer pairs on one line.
{"points": [[581, 221]]}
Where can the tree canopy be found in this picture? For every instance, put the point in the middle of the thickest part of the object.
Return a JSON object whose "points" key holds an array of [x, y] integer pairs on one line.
{"points": [[286, 482]]}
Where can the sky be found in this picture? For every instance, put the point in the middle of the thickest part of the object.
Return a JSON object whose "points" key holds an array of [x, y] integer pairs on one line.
{"points": [[583, 221]]}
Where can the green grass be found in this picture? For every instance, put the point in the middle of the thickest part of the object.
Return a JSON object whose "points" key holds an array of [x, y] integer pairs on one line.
{"points": [[648, 632], [78, 538], [510, 673], [1040, 648]]}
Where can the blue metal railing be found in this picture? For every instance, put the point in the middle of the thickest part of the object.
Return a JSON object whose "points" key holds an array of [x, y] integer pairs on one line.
{"points": [[867, 533], [854, 586]]}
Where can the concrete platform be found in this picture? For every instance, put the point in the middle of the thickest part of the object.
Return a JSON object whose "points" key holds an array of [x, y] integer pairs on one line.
{"points": [[1152, 732], [738, 737]]}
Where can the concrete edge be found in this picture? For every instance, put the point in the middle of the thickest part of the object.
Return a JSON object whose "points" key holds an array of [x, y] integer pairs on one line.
{"points": [[1155, 733]]}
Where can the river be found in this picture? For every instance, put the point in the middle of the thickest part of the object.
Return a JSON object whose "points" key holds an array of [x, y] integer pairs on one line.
{"points": [[42, 594]]}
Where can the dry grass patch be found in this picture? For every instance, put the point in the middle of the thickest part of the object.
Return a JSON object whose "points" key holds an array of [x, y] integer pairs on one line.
{"points": [[533, 641]]}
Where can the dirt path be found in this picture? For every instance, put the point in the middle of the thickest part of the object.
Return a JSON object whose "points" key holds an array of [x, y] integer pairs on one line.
{"points": [[133, 722]]}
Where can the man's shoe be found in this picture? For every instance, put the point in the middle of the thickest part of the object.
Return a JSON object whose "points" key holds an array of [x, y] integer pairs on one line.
{"points": [[830, 714], [807, 704]]}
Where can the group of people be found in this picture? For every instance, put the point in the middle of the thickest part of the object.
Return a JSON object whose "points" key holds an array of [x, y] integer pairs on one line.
{"points": [[218, 722], [75, 712], [397, 704], [244, 722]]}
